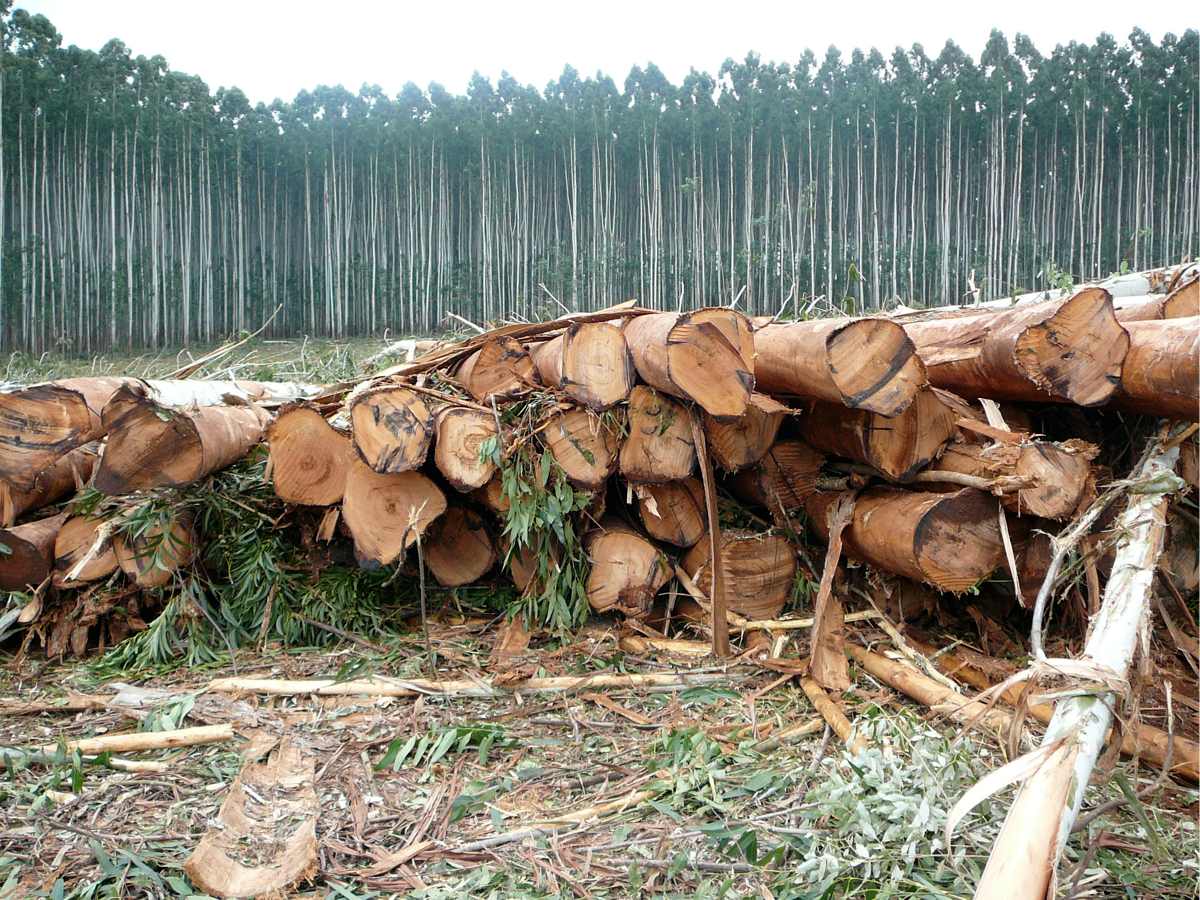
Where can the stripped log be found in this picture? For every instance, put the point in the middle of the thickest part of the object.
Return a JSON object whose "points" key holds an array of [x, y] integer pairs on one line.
{"points": [[590, 362], [387, 513], [743, 442], [867, 364], [782, 480], [500, 368], [459, 549], [584, 445], [151, 557], [83, 552], [28, 556], [898, 446], [491, 496], [706, 356], [660, 445], [759, 571], [672, 512], [949, 541], [62, 479], [1067, 350], [1055, 475], [392, 428], [1161, 376], [627, 570], [309, 458], [461, 432], [1182, 302]]}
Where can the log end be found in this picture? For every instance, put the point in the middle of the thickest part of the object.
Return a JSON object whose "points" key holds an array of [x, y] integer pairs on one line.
{"points": [[957, 541], [309, 458], [874, 366], [392, 428]]}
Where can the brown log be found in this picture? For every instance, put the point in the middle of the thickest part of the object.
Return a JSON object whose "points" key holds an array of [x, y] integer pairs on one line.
{"points": [[1189, 460], [590, 362], [706, 356], [461, 432], [627, 570], [491, 496], [150, 558], [309, 458], [392, 428], [1161, 376], [584, 445], [522, 565], [150, 445], [867, 364], [500, 368], [459, 549], [1068, 350], [898, 447], [759, 571], [62, 479], [1056, 473], [74, 544], [28, 557], [386, 513], [672, 512], [1180, 303], [1018, 420], [1034, 552], [949, 541], [659, 446], [743, 442], [783, 479]]}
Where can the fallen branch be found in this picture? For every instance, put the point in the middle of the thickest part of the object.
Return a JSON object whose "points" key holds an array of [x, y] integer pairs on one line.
{"points": [[833, 714], [147, 740]]}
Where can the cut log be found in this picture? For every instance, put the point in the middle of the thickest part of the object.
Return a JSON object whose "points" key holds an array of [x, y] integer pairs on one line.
{"points": [[1161, 376], [522, 565], [1182, 302], [584, 445], [1033, 554], [1189, 460], [659, 446], [27, 557], [491, 496], [74, 544], [627, 570], [309, 457], [898, 447], [1056, 473], [461, 432], [759, 571], [1067, 350], [706, 356], [150, 558], [151, 445], [392, 428], [867, 364], [500, 368], [976, 429], [949, 541], [590, 362], [782, 480], [672, 512], [743, 442], [62, 479], [459, 549], [386, 513]]}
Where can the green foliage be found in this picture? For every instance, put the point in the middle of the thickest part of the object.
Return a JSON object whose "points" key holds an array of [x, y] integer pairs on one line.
{"points": [[427, 749]]}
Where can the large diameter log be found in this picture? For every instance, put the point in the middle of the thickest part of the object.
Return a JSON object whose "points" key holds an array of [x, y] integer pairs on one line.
{"points": [[392, 428], [627, 570], [1067, 350], [759, 571], [742, 442], [672, 512], [898, 446], [1182, 302], [150, 445], [27, 557], [867, 364], [387, 513], [83, 552], [61, 479], [1056, 474], [590, 362], [461, 432], [309, 458], [500, 368], [459, 549], [1161, 376], [584, 445], [784, 478], [150, 558], [660, 445], [949, 541], [706, 356], [491, 496]]}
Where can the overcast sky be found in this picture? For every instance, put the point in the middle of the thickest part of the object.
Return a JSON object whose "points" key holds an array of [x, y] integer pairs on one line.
{"points": [[271, 48]]}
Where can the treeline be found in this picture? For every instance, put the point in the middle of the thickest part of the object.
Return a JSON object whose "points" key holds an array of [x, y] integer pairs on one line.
{"points": [[138, 208]]}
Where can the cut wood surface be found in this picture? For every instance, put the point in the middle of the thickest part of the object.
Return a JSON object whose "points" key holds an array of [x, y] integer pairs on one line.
{"points": [[782, 479], [1161, 376], [61, 479], [1067, 350], [867, 364], [459, 549], [949, 541], [742, 442], [461, 432], [387, 513], [309, 458], [659, 446], [584, 445], [82, 552], [491, 496], [1055, 474], [1182, 302], [706, 356], [672, 512], [30, 553], [759, 571], [590, 362], [392, 428], [627, 569], [499, 368], [151, 557]]}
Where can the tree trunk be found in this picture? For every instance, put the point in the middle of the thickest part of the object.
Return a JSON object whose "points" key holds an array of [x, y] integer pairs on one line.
{"points": [[386, 513], [392, 428], [590, 362], [1161, 376], [73, 545], [759, 571], [151, 558], [459, 549], [743, 442], [867, 364], [30, 556], [627, 570], [500, 368], [63, 478], [309, 458], [584, 445], [1058, 473], [672, 512], [659, 446], [461, 431], [1181, 303], [949, 541], [782, 480], [1066, 350]]}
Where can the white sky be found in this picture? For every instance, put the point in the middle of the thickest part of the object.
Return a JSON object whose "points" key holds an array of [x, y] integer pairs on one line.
{"points": [[271, 48]]}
